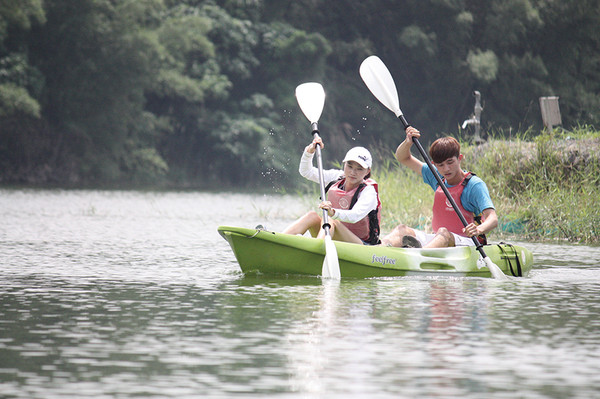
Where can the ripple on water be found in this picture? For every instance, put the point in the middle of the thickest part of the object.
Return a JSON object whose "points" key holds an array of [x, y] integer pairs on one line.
{"points": [[116, 294]]}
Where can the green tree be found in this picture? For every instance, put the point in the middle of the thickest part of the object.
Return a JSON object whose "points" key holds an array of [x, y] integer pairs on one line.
{"points": [[569, 44], [98, 60], [234, 130], [201, 92], [20, 87], [19, 82]]}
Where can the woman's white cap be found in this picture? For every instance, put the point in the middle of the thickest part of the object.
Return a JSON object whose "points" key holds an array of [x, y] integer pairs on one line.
{"points": [[360, 155]]}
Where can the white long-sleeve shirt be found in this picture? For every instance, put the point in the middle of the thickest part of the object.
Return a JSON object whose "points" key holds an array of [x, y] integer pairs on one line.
{"points": [[366, 202]]}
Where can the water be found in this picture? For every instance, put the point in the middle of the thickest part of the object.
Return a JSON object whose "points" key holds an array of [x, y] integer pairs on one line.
{"points": [[120, 294]]}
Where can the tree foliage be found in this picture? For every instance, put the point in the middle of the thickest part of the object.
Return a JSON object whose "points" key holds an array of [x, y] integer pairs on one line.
{"points": [[200, 92]]}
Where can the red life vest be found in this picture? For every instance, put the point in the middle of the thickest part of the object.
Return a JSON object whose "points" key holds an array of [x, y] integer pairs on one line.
{"points": [[367, 229], [443, 212]]}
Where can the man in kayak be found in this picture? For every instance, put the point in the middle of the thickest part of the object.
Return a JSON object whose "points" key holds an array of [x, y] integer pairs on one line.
{"points": [[352, 203], [469, 192]]}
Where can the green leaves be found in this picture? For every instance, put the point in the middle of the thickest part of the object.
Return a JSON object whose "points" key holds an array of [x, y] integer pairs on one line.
{"points": [[104, 87], [416, 39], [483, 65], [185, 37], [16, 100], [20, 14]]}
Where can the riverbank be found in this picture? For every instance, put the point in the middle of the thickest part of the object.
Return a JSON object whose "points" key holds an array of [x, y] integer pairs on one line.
{"points": [[544, 188]]}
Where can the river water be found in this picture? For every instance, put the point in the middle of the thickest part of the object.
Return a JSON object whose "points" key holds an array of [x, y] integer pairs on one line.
{"points": [[118, 294]]}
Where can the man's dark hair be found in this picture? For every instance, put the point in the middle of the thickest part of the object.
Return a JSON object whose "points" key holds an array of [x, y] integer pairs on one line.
{"points": [[444, 148]]}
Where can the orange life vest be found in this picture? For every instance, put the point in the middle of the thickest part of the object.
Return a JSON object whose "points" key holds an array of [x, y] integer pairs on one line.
{"points": [[444, 214]]}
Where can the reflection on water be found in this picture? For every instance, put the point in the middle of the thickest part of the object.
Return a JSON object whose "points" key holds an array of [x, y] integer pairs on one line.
{"points": [[122, 294]]}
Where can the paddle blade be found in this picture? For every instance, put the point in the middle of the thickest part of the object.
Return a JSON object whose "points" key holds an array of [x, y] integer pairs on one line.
{"points": [[494, 269], [380, 82], [331, 265], [311, 99]]}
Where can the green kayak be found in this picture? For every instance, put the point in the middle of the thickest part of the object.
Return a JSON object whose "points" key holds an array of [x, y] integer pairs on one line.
{"points": [[260, 251]]}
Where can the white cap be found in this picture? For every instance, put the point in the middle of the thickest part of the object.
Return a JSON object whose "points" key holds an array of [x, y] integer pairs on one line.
{"points": [[360, 155]]}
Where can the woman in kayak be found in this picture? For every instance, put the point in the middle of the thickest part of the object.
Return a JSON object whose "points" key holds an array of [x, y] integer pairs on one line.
{"points": [[352, 203]]}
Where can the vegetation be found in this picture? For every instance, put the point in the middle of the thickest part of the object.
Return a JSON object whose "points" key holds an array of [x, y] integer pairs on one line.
{"points": [[545, 187], [199, 93]]}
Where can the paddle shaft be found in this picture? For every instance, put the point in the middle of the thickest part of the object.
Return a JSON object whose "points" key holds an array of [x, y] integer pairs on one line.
{"points": [[315, 132], [442, 185]]}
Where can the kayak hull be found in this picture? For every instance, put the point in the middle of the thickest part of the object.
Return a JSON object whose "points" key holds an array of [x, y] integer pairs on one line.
{"points": [[260, 251]]}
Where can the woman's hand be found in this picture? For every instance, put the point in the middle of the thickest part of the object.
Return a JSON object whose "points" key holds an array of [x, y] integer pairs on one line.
{"points": [[311, 148], [328, 207]]}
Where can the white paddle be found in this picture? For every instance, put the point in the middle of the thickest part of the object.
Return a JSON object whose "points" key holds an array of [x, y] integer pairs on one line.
{"points": [[311, 98], [380, 82]]}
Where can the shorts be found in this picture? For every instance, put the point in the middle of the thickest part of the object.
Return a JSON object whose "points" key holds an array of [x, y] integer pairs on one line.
{"points": [[460, 241]]}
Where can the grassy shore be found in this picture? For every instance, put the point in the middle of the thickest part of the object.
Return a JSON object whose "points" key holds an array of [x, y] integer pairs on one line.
{"points": [[544, 187]]}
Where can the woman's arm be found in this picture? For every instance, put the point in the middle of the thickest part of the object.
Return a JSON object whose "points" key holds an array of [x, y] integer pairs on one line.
{"points": [[366, 202], [308, 171]]}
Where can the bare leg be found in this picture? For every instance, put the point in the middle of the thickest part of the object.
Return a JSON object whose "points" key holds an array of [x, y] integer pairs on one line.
{"points": [[340, 232], [394, 239], [443, 238], [309, 222]]}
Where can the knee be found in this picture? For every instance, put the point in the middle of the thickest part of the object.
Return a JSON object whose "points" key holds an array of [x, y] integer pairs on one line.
{"points": [[394, 238], [313, 220], [448, 236], [443, 232], [400, 230], [333, 224], [313, 217]]}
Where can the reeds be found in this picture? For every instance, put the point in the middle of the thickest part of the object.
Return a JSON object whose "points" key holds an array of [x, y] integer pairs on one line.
{"points": [[405, 198]]}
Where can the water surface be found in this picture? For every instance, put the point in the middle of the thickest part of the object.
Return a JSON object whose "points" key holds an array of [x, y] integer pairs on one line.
{"points": [[116, 294]]}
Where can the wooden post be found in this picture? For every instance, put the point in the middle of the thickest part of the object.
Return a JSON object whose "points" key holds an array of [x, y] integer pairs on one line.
{"points": [[550, 112]]}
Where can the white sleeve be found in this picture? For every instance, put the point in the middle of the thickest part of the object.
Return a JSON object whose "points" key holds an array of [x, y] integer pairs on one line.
{"points": [[366, 202], [308, 171]]}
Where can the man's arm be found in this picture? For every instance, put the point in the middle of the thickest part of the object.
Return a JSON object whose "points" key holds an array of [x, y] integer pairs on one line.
{"points": [[490, 223], [403, 154]]}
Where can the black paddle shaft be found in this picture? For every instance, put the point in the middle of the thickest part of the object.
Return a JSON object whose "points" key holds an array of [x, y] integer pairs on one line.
{"points": [[442, 185]]}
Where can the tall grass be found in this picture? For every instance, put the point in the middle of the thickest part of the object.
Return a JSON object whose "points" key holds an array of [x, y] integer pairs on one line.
{"points": [[548, 186], [404, 197], [543, 188]]}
